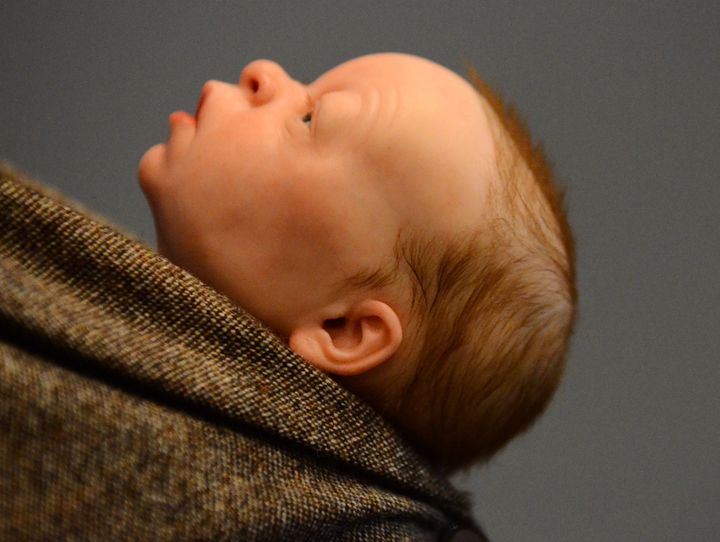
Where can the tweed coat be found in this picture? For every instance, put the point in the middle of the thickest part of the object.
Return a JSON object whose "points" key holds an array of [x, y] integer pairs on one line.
{"points": [[136, 403]]}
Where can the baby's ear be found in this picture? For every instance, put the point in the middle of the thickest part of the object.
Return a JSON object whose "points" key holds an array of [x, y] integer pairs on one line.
{"points": [[366, 335]]}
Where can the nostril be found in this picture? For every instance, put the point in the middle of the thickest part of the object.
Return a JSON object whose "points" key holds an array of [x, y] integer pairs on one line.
{"points": [[263, 79]]}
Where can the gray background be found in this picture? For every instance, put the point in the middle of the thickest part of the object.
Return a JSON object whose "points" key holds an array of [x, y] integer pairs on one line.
{"points": [[624, 97]]}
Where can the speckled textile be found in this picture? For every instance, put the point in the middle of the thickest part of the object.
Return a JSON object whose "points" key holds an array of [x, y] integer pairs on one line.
{"points": [[138, 404]]}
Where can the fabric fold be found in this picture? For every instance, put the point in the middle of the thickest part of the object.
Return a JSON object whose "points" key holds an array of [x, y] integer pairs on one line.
{"points": [[74, 288]]}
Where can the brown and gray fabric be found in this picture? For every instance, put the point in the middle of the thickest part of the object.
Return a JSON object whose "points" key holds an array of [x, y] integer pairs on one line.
{"points": [[136, 403]]}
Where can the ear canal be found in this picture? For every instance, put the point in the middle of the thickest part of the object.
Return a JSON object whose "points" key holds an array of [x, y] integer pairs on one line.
{"points": [[364, 337], [343, 333]]}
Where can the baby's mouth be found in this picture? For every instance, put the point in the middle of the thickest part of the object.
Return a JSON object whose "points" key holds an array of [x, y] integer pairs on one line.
{"points": [[203, 96]]}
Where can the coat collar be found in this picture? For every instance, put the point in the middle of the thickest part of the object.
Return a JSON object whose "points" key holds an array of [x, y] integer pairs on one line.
{"points": [[82, 286]]}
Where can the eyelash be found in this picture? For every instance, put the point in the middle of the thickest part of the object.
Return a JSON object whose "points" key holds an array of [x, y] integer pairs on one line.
{"points": [[307, 118]]}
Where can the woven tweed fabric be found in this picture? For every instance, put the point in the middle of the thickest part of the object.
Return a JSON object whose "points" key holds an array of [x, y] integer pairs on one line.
{"points": [[136, 403]]}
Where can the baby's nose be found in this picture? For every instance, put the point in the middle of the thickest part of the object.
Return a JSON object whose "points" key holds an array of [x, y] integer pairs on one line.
{"points": [[264, 80]]}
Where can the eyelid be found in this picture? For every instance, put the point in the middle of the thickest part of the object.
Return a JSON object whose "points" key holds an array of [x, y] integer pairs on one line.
{"points": [[310, 107], [309, 102]]}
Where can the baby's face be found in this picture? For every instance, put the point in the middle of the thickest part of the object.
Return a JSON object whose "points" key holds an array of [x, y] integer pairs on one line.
{"points": [[276, 191]]}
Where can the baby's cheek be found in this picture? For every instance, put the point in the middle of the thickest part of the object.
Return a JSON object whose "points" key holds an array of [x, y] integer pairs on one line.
{"points": [[311, 208]]}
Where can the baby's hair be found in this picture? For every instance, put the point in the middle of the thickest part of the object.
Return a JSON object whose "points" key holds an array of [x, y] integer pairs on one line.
{"points": [[494, 310]]}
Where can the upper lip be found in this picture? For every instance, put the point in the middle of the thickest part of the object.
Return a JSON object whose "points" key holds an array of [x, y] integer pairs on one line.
{"points": [[203, 97]]}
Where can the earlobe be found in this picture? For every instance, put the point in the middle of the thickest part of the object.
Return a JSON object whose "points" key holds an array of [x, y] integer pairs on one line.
{"points": [[368, 334]]}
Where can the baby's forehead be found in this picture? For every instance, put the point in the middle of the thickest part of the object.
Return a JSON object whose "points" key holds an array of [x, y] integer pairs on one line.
{"points": [[405, 70], [426, 125], [411, 86]]}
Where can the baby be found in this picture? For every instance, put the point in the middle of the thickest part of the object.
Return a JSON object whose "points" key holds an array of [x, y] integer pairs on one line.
{"points": [[394, 225]]}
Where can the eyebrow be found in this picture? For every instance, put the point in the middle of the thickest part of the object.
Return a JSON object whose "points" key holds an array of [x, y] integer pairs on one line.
{"points": [[349, 129]]}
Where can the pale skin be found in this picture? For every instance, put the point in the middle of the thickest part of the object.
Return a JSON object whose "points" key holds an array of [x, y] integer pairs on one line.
{"points": [[277, 191]]}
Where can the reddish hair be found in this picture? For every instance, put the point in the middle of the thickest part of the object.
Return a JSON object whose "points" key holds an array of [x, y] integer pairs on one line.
{"points": [[493, 311]]}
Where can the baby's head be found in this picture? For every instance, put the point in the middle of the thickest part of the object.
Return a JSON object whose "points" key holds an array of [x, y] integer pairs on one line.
{"points": [[394, 225]]}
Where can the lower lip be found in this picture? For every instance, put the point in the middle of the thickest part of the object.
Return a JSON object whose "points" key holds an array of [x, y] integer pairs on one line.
{"points": [[181, 117]]}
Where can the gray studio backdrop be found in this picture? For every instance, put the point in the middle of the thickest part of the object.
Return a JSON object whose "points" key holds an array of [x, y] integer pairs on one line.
{"points": [[624, 97]]}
